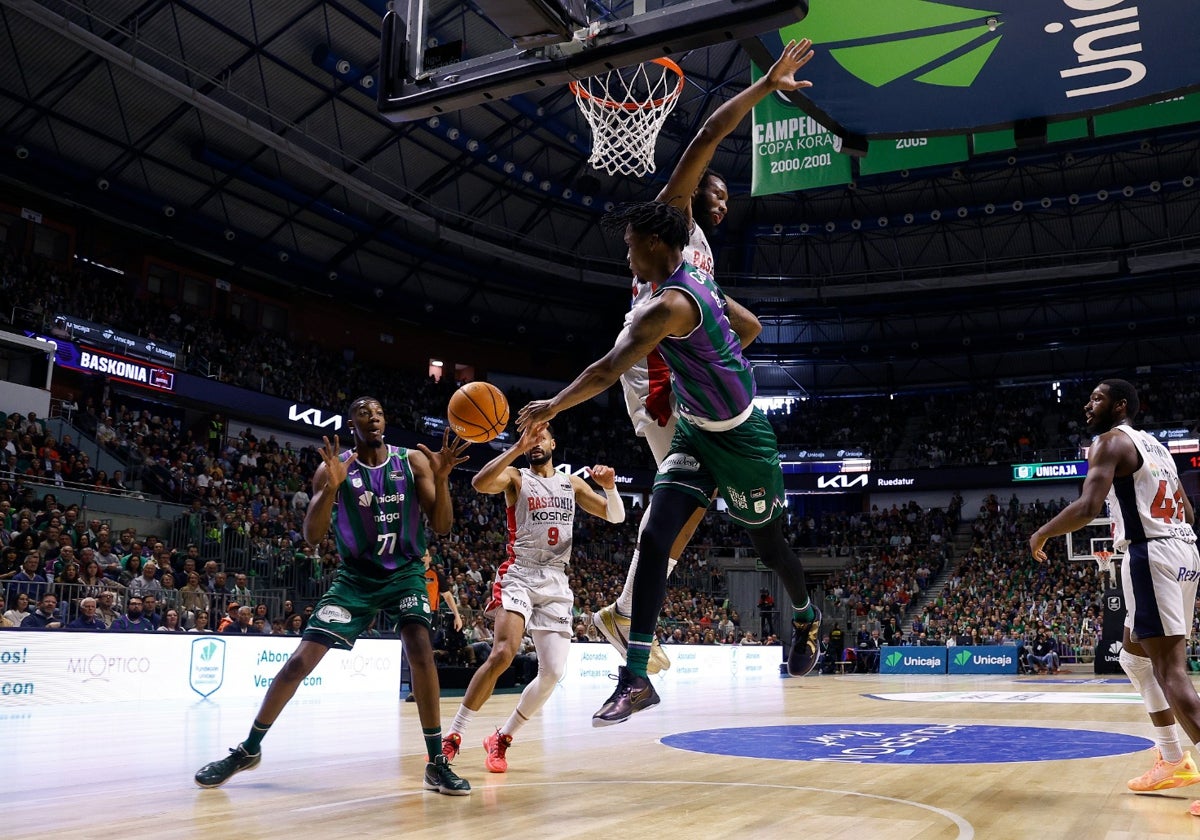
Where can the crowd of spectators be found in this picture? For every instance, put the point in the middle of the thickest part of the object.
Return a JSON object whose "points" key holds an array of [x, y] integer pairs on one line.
{"points": [[47, 549], [1005, 425], [998, 594], [247, 495], [28, 448], [1016, 421], [893, 556]]}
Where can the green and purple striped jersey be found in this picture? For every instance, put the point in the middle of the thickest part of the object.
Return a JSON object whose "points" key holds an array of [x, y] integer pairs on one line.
{"points": [[377, 516], [710, 377]]}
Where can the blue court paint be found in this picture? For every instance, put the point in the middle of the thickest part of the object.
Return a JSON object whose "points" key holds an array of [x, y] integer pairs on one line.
{"points": [[908, 743]]}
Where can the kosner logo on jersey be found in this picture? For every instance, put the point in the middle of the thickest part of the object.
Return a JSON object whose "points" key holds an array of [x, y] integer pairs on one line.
{"points": [[889, 67]]}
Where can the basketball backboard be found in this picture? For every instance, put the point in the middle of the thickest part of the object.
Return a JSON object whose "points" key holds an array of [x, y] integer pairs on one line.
{"points": [[438, 56], [1092, 539]]}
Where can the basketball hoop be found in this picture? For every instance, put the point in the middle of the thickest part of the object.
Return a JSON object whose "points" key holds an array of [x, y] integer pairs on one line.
{"points": [[1104, 562], [626, 108]]}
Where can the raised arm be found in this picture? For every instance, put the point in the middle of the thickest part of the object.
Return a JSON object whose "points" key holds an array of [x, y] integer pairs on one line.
{"points": [[609, 506], [685, 178], [326, 481], [499, 475], [432, 472]]}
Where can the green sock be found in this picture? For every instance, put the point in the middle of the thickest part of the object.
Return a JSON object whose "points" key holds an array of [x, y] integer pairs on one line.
{"points": [[639, 653], [253, 743], [433, 741], [805, 613]]}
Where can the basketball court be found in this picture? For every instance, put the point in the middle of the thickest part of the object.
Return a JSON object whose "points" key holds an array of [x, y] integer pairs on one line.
{"points": [[835, 756], [825, 756]]}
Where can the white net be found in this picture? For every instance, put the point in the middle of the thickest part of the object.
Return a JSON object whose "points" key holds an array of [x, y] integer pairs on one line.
{"points": [[626, 109]]}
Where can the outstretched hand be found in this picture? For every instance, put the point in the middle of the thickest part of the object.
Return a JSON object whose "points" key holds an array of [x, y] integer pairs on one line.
{"points": [[605, 476], [448, 457], [782, 75], [535, 413], [336, 469], [529, 437]]}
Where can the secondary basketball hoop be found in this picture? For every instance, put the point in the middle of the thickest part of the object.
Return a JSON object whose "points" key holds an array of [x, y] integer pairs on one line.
{"points": [[1104, 562], [626, 109]]}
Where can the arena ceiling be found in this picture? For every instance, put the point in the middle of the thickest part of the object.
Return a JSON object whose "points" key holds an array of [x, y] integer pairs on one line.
{"points": [[238, 117]]}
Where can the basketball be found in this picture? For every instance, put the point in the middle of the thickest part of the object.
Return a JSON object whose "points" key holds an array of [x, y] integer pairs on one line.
{"points": [[478, 412]]}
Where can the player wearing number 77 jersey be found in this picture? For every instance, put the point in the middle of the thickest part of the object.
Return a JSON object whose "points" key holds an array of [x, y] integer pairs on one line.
{"points": [[374, 498], [1153, 526]]}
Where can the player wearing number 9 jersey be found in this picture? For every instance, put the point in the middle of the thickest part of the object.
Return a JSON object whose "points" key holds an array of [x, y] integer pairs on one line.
{"points": [[531, 592], [1152, 525], [373, 497]]}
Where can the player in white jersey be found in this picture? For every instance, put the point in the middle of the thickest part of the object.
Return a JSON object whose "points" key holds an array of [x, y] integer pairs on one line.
{"points": [[1153, 526], [531, 585], [703, 197]]}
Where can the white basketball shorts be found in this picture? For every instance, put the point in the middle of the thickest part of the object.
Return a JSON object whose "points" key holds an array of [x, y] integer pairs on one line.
{"points": [[539, 593], [1158, 579]]}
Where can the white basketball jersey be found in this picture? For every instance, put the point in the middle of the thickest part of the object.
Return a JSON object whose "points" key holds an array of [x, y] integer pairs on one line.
{"points": [[542, 520], [636, 381], [1148, 505]]}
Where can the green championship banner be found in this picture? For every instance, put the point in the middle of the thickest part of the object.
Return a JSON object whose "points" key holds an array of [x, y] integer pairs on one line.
{"points": [[1181, 109], [792, 151], [912, 153]]}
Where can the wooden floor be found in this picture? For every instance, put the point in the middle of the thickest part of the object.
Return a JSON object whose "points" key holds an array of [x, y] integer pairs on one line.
{"points": [[347, 768]]}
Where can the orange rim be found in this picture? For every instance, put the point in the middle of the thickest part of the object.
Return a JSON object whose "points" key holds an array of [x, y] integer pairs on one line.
{"points": [[582, 92]]}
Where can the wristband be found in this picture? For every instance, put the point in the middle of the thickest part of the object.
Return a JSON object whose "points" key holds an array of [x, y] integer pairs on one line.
{"points": [[614, 510]]}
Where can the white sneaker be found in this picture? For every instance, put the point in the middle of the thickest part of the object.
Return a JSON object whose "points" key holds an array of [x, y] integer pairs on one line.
{"points": [[614, 627]]}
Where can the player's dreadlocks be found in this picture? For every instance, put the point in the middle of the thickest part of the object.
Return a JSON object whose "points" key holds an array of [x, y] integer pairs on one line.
{"points": [[649, 217]]}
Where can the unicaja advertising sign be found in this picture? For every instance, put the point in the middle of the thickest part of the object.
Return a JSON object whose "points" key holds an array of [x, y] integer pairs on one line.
{"points": [[912, 660], [893, 67], [990, 659]]}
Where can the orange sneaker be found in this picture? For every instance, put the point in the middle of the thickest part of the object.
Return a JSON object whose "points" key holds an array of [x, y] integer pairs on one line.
{"points": [[1165, 775], [497, 745], [451, 744]]}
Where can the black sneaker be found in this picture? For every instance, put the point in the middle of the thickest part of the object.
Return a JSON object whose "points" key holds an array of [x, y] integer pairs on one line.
{"points": [[805, 645], [439, 777], [219, 772], [633, 694]]}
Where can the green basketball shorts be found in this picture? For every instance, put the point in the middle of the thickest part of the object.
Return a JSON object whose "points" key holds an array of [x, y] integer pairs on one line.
{"points": [[741, 464], [353, 600]]}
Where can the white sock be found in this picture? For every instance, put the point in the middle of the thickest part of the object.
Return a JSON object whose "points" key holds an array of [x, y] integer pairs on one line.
{"points": [[1167, 740], [514, 723], [462, 720], [625, 599]]}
